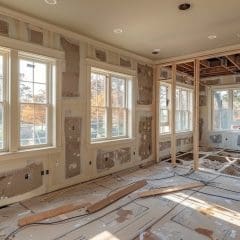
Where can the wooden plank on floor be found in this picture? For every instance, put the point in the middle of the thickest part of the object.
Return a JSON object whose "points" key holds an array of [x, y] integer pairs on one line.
{"points": [[115, 196], [50, 213], [170, 189]]}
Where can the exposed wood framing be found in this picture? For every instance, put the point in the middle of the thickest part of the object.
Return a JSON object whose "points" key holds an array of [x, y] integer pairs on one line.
{"points": [[168, 190], [115, 196], [173, 114], [196, 114], [232, 59]]}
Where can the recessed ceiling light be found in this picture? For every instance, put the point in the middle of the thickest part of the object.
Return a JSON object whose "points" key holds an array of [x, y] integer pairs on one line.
{"points": [[156, 51], [118, 31], [51, 2], [211, 37], [184, 6]]}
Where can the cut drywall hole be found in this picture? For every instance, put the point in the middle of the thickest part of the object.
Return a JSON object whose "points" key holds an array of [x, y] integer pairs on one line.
{"points": [[211, 37], [156, 51], [51, 2], [118, 30], [184, 6]]}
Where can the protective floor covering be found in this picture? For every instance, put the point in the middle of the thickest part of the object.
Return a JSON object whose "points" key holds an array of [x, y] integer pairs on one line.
{"points": [[209, 212]]}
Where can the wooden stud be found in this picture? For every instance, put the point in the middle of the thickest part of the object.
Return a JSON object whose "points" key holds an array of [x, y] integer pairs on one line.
{"points": [[233, 61], [168, 190], [115, 196], [50, 214], [196, 114], [173, 114]]}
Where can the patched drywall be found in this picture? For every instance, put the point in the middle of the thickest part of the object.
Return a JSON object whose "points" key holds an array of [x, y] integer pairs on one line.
{"points": [[145, 84], [145, 130], [72, 128], [20, 181], [70, 78], [4, 27], [35, 36], [108, 159]]}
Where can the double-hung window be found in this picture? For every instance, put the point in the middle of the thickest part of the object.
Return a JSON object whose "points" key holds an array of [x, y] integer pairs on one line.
{"points": [[184, 99], [110, 105], [226, 109], [35, 101], [164, 108], [3, 100]]}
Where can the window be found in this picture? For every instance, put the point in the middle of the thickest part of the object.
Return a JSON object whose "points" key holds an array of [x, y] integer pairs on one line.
{"points": [[110, 105], [34, 101], [164, 106], [3, 96], [184, 99], [226, 114]]}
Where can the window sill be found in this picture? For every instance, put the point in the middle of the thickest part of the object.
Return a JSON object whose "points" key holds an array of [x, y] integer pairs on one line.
{"points": [[28, 153], [112, 142]]}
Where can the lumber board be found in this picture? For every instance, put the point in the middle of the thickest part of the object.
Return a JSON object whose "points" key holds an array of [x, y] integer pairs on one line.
{"points": [[50, 213], [155, 192], [115, 196]]}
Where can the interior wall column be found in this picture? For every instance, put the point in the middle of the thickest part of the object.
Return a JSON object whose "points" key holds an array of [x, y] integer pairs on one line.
{"points": [[173, 114], [196, 114]]}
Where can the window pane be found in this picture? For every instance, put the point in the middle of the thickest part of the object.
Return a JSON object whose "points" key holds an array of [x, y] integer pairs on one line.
{"points": [[26, 92], [98, 123], [26, 70], [40, 72], [118, 92], [98, 86], [119, 118], [164, 97], [221, 110], [236, 105], [40, 124], [40, 93], [27, 124], [1, 128]]}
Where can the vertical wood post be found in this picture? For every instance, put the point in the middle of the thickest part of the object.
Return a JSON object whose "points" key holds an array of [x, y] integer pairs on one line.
{"points": [[173, 114], [196, 114]]}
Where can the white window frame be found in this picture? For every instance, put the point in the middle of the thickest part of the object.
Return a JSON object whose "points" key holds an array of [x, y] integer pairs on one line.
{"points": [[49, 104], [5, 102], [169, 108], [189, 110], [128, 105], [230, 89]]}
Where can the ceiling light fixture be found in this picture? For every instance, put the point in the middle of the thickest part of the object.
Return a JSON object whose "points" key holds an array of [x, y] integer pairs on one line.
{"points": [[211, 37], [118, 31], [51, 2], [184, 6], [155, 51]]}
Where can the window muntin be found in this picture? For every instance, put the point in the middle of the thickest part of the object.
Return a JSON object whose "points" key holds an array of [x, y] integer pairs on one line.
{"points": [[164, 111], [34, 101], [109, 106], [184, 99], [226, 109]]}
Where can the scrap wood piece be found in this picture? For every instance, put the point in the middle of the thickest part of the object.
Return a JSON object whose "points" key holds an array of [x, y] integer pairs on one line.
{"points": [[115, 196], [50, 213], [170, 189]]}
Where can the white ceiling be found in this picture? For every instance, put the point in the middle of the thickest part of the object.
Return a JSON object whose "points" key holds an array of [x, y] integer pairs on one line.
{"points": [[146, 24]]}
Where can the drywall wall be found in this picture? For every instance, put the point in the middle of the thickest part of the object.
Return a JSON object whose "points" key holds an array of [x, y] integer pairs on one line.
{"points": [[208, 137], [75, 159]]}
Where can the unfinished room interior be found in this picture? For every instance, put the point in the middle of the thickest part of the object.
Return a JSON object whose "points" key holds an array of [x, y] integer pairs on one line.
{"points": [[119, 120]]}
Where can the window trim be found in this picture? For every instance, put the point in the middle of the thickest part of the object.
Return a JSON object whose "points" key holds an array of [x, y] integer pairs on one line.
{"points": [[5, 100], [129, 82], [50, 101]]}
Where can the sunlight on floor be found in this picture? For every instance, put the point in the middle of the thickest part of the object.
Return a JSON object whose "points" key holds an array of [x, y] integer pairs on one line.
{"points": [[104, 236], [205, 208]]}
